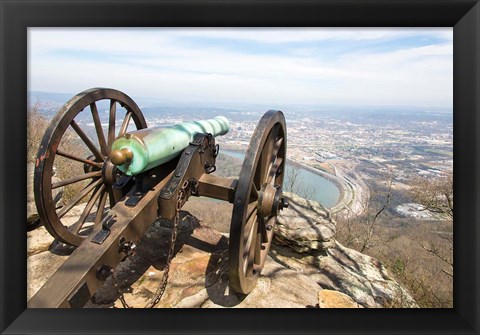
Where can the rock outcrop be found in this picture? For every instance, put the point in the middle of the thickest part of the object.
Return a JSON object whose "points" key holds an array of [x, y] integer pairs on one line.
{"points": [[335, 299], [306, 268], [305, 226], [199, 274]]}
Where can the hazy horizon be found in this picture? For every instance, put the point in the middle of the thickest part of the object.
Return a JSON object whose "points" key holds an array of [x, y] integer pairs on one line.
{"points": [[143, 101]]}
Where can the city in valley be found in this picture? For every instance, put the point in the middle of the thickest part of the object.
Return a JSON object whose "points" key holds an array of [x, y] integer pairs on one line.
{"points": [[355, 147]]}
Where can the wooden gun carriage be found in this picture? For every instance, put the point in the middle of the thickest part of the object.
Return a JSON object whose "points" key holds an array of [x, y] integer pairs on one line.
{"points": [[130, 178]]}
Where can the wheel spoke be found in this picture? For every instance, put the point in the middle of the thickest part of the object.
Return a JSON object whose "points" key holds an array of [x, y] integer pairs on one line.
{"points": [[76, 179], [248, 251], [251, 254], [124, 127], [266, 242], [75, 228], [101, 206], [270, 147], [86, 140], [250, 221], [248, 243], [272, 155], [79, 197], [265, 157], [258, 250], [263, 228], [276, 149], [251, 209], [111, 198], [273, 169], [99, 129], [260, 171], [78, 159], [111, 124], [254, 193]]}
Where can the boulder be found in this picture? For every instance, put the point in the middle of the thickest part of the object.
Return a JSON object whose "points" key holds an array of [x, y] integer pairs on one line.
{"points": [[335, 299], [305, 225], [338, 268], [362, 277]]}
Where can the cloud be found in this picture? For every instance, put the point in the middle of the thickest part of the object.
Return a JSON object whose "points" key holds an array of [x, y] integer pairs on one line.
{"points": [[296, 35], [291, 67]]}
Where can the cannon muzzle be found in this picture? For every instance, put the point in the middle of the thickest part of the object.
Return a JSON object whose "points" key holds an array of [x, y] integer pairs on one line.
{"points": [[141, 150]]}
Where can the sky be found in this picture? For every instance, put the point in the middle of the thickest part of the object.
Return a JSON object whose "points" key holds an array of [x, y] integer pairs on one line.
{"points": [[311, 66]]}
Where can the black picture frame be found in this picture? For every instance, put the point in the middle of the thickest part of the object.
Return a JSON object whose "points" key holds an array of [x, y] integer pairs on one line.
{"points": [[16, 16]]}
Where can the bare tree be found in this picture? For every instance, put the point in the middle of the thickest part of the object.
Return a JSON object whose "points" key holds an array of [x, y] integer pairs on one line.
{"points": [[370, 221], [436, 195], [36, 126], [292, 183], [290, 180], [347, 231], [409, 272], [359, 231]]}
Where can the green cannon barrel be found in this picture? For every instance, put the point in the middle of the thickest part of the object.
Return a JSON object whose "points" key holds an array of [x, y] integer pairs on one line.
{"points": [[141, 150]]}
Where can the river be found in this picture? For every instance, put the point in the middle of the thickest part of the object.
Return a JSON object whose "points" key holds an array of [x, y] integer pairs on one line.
{"points": [[309, 184]]}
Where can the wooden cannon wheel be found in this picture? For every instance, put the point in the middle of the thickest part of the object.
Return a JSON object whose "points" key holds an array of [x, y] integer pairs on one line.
{"points": [[76, 141], [258, 198]]}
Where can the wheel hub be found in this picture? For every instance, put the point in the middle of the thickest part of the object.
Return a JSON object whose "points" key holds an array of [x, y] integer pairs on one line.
{"points": [[109, 173], [270, 200]]}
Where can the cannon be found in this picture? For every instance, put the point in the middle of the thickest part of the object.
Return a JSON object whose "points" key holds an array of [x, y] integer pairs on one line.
{"points": [[128, 175]]}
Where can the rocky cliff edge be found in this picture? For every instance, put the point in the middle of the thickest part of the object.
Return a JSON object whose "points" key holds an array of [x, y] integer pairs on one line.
{"points": [[307, 267]]}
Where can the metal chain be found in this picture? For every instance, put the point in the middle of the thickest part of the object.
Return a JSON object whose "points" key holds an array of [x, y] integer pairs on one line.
{"points": [[161, 289], [182, 193], [115, 283]]}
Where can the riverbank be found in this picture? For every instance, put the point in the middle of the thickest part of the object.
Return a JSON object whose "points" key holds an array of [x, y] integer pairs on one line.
{"points": [[353, 192], [305, 181], [356, 190], [330, 177]]}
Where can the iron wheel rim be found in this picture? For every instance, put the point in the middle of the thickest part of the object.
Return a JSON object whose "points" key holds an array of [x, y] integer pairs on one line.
{"points": [[246, 222]]}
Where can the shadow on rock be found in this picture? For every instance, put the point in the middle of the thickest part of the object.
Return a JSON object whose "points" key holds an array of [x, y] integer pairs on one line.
{"points": [[61, 249], [217, 281], [194, 243], [152, 250]]}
